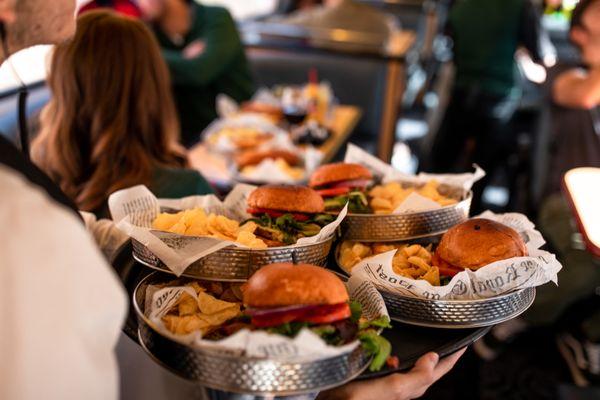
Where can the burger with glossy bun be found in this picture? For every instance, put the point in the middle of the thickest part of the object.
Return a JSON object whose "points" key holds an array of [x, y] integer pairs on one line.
{"points": [[284, 298], [284, 214], [475, 244], [341, 183]]}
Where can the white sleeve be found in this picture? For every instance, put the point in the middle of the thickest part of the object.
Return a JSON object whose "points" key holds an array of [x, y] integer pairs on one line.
{"points": [[61, 305], [106, 234]]}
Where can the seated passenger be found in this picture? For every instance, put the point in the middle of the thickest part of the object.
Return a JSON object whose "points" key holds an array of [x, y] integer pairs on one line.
{"points": [[111, 122], [205, 55], [125, 7]]}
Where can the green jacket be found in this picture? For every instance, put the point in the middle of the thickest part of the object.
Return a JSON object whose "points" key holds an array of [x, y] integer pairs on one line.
{"points": [[486, 35], [221, 68], [170, 183]]}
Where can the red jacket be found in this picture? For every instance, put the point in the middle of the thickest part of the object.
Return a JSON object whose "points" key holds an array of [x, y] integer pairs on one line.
{"points": [[125, 7]]}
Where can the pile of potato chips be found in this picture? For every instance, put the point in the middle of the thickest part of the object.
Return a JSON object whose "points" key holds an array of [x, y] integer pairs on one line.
{"points": [[196, 222], [203, 313], [384, 199], [411, 261]]}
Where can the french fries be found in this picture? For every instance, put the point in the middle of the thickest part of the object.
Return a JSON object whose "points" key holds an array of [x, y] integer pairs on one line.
{"points": [[196, 222], [411, 261], [384, 199]]}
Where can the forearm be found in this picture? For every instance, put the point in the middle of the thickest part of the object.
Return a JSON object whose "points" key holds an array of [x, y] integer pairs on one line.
{"points": [[578, 89]]}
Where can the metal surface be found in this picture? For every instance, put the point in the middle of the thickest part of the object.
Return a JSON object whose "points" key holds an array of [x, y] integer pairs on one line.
{"points": [[235, 373], [458, 314], [237, 264], [399, 227]]}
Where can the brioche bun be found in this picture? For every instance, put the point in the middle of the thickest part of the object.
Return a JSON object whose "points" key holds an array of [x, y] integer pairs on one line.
{"points": [[338, 172], [286, 284], [289, 198], [254, 157], [479, 242]]}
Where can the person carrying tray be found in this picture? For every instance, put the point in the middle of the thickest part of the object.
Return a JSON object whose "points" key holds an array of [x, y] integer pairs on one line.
{"points": [[62, 308]]}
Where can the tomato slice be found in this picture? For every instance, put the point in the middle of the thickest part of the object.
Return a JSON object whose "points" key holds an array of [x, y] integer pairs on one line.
{"points": [[316, 315], [333, 191], [330, 314], [275, 319], [277, 213]]}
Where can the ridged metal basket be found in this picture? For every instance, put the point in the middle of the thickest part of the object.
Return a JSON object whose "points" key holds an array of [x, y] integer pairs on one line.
{"points": [[458, 314], [237, 264], [395, 227], [240, 374]]}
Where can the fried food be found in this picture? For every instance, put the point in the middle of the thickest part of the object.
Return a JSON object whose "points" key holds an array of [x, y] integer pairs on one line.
{"points": [[203, 313], [411, 261], [384, 199], [242, 138], [196, 222], [295, 173]]}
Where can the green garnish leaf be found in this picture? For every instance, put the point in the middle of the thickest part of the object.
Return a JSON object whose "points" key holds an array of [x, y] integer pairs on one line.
{"points": [[355, 311], [377, 346]]}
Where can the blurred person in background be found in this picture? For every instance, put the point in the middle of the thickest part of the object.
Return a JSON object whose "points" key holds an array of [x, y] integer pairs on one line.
{"points": [[574, 94], [106, 129], [485, 93], [125, 7], [205, 55], [62, 347]]}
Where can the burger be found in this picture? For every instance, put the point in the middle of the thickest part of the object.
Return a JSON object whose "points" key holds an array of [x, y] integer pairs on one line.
{"points": [[273, 112], [284, 298], [342, 183], [283, 214], [475, 244], [254, 157]]}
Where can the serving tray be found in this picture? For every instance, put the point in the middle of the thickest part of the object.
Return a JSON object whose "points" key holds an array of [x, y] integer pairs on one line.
{"points": [[237, 264], [238, 373], [397, 227], [458, 314]]}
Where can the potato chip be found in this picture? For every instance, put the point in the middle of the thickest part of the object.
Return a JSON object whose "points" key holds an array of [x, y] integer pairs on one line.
{"points": [[187, 305], [211, 305], [196, 222], [165, 221], [249, 239]]}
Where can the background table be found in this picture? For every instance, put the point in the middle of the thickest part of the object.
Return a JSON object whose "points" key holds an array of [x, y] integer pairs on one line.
{"points": [[215, 167]]}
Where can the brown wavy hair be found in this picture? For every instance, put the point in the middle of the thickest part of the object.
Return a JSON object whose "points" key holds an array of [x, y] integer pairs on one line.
{"points": [[111, 119]]}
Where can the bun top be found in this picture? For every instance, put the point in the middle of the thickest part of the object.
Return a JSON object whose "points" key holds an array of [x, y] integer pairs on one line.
{"points": [[479, 242], [337, 172], [286, 284], [287, 198], [253, 157]]}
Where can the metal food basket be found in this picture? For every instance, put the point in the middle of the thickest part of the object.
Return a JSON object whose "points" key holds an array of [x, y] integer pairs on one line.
{"points": [[241, 374], [397, 227], [458, 314], [237, 264]]}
